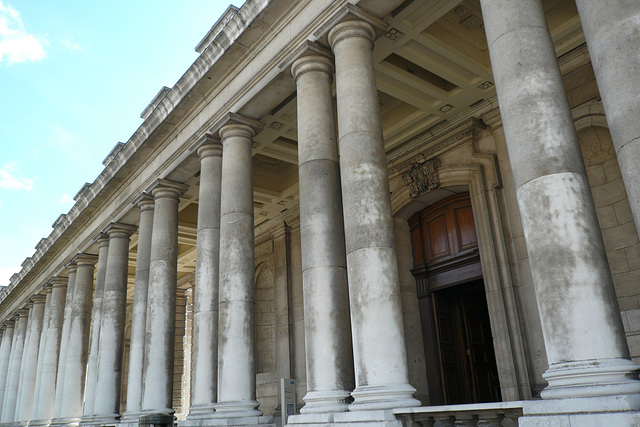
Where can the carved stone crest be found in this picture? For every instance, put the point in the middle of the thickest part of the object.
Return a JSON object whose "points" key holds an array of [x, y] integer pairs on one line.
{"points": [[422, 177]]}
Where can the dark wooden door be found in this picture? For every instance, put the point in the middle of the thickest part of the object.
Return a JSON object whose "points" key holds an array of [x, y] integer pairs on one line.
{"points": [[455, 321]]}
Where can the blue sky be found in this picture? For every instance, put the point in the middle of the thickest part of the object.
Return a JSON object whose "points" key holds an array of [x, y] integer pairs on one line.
{"points": [[74, 78]]}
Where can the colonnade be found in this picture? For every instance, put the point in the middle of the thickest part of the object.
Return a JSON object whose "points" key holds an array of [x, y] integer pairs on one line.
{"points": [[355, 350]]}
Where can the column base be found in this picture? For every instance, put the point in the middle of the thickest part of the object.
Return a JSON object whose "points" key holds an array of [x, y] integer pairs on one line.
{"points": [[619, 411], [157, 419], [591, 378], [201, 411], [367, 398], [240, 408], [99, 420], [318, 402], [39, 423], [374, 418], [262, 421], [130, 417], [65, 422]]}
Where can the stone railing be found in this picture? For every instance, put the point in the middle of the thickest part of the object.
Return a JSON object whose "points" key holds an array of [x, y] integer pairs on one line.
{"points": [[504, 414]]}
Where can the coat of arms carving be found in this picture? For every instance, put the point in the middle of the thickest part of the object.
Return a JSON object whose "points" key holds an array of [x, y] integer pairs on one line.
{"points": [[422, 177]]}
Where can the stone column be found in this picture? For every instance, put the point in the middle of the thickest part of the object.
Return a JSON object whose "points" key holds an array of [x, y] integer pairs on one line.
{"points": [[205, 313], [329, 354], [611, 31], [64, 339], [78, 344], [5, 354], [374, 289], [15, 361], [41, 350], [43, 404], [139, 313], [96, 319], [161, 301], [236, 325], [23, 363], [106, 408], [582, 328], [30, 360]]}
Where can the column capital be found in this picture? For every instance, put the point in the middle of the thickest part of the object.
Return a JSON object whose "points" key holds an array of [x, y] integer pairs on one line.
{"points": [[312, 63], [119, 230], [59, 281], [23, 312], [71, 266], [38, 299], [347, 29], [8, 324], [240, 123], [164, 188], [83, 259], [207, 145], [144, 201]]}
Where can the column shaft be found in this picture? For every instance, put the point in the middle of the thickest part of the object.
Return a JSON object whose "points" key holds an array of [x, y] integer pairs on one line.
{"points": [[96, 320], [611, 31], [30, 360], [114, 304], [139, 312], [374, 289], [585, 341], [41, 351], [23, 363], [64, 340], [329, 355], [78, 344], [11, 389], [161, 301], [205, 313], [43, 405], [236, 324], [5, 354]]}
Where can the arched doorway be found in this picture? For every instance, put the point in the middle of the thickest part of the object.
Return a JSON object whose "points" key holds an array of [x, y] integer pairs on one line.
{"points": [[459, 353]]}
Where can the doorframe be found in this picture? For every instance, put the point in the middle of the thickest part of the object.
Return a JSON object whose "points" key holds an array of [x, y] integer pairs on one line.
{"points": [[509, 344]]}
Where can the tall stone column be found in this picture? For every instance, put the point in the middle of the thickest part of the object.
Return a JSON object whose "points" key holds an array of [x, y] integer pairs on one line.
{"points": [[374, 289], [64, 339], [96, 320], [205, 313], [611, 31], [584, 338], [15, 362], [329, 354], [139, 313], [23, 363], [43, 404], [161, 301], [106, 407], [30, 360], [41, 349], [236, 324], [78, 344], [5, 354]]}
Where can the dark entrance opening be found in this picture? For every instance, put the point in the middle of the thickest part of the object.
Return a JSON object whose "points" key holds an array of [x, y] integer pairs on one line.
{"points": [[461, 365]]}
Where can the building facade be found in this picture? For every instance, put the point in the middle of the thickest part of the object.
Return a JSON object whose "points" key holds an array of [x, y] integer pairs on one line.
{"points": [[419, 211]]}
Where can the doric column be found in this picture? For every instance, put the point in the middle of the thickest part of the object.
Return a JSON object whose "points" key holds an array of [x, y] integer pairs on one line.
{"points": [[64, 339], [205, 313], [30, 359], [96, 320], [611, 31], [161, 301], [78, 344], [5, 354], [583, 334], [23, 363], [139, 313], [106, 407], [15, 361], [43, 404], [236, 324], [41, 350], [329, 354], [374, 289]]}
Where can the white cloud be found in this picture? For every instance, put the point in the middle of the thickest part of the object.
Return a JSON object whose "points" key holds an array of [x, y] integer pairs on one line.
{"points": [[10, 181], [6, 273], [71, 45], [65, 199], [16, 44]]}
